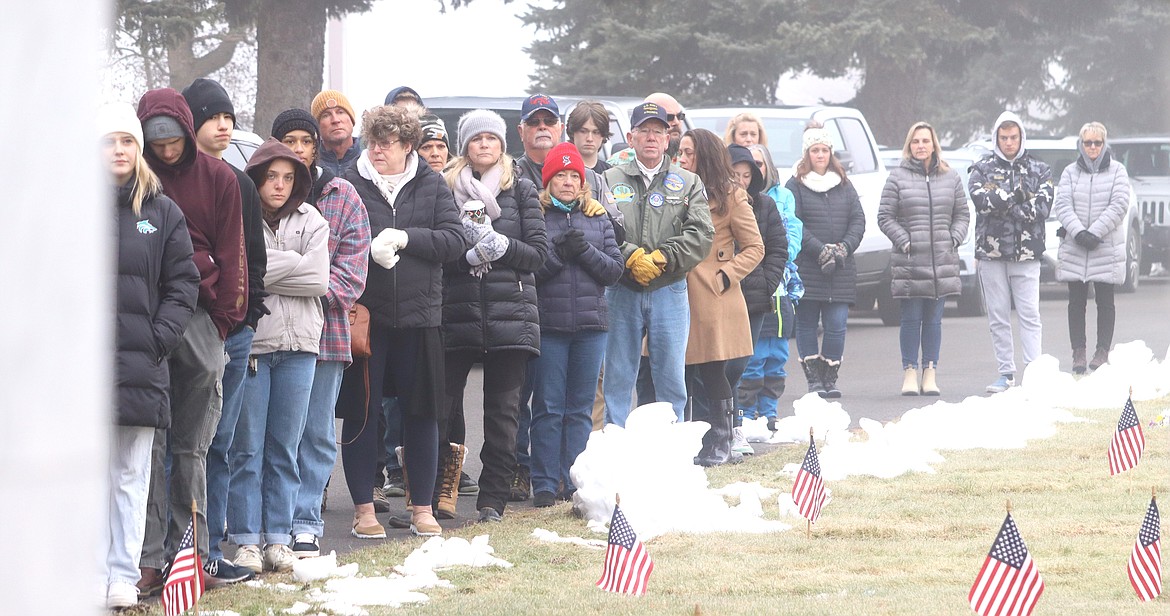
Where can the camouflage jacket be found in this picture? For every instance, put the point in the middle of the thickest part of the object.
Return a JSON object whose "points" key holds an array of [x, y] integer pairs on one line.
{"points": [[1012, 201]]}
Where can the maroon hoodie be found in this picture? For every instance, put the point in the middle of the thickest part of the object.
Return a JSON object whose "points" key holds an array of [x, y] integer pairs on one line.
{"points": [[209, 195]]}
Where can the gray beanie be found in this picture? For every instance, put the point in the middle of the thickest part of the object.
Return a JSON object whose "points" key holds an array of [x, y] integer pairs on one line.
{"points": [[479, 121]]}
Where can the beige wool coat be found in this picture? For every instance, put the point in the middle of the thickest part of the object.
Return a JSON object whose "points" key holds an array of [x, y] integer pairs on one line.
{"points": [[719, 317]]}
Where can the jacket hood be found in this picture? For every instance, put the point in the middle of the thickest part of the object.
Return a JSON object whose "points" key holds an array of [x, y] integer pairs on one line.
{"points": [[258, 166], [740, 154], [168, 102], [1008, 116], [1094, 166]]}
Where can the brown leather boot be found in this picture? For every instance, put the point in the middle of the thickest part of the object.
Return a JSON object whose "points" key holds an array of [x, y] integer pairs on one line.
{"points": [[1100, 358], [447, 490], [1079, 361]]}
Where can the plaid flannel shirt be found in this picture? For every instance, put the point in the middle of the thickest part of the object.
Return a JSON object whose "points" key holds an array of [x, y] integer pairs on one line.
{"points": [[349, 251]]}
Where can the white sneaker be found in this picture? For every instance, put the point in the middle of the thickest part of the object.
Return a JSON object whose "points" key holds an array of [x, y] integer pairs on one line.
{"points": [[279, 558], [739, 443], [248, 556], [306, 545], [121, 595]]}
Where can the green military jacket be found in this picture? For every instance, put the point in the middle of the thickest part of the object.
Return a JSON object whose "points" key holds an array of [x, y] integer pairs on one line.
{"points": [[670, 215]]}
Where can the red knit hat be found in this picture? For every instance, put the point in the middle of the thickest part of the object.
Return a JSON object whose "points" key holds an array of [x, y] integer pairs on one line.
{"points": [[562, 156]]}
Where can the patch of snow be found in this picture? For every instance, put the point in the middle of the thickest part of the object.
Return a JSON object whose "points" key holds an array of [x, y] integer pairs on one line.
{"points": [[321, 567], [300, 607], [439, 553], [549, 536]]}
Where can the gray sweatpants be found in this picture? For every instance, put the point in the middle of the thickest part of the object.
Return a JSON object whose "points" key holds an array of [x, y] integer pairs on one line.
{"points": [[1004, 282], [196, 403]]}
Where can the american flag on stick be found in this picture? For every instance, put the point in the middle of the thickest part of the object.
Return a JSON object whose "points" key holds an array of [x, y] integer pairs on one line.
{"points": [[1009, 582], [1128, 441], [1145, 563], [627, 563], [185, 580], [808, 491]]}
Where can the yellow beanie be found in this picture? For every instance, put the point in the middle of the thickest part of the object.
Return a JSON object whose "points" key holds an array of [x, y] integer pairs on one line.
{"points": [[328, 99]]}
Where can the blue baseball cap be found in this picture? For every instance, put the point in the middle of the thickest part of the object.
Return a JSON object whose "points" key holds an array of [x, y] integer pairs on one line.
{"points": [[535, 103], [648, 111]]}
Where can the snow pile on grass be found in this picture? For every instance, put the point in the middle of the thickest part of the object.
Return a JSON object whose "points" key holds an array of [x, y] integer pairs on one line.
{"points": [[347, 594], [549, 536], [650, 463]]}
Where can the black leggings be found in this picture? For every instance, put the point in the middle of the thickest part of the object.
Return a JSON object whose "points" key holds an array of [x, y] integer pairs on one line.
{"points": [[716, 383], [1078, 300]]}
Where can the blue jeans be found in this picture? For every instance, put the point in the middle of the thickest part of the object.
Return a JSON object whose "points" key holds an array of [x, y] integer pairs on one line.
{"points": [[318, 449], [921, 326], [129, 476], [811, 313], [238, 345], [663, 316], [565, 378], [523, 433], [264, 454]]}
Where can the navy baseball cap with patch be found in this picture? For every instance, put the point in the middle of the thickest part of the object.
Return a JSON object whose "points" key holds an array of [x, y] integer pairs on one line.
{"points": [[535, 103], [648, 111]]}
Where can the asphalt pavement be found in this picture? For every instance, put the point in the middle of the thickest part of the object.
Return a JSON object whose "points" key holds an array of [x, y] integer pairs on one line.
{"points": [[870, 380]]}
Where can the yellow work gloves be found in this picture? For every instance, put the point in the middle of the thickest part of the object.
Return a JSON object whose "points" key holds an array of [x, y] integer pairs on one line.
{"points": [[646, 267], [592, 208]]}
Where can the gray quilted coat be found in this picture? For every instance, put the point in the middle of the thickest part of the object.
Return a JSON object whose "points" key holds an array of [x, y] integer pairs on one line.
{"points": [[1097, 202], [929, 214]]}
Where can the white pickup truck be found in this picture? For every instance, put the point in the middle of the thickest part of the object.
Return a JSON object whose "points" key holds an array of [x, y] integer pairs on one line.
{"points": [[857, 149]]}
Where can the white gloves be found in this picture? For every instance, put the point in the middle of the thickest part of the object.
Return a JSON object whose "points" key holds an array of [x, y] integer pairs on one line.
{"points": [[491, 247], [384, 250], [396, 237]]}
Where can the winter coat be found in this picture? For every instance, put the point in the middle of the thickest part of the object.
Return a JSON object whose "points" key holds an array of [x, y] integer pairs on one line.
{"points": [[926, 218], [253, 248], [759, 285], [670, 215], [1095, 202], [498, 312], [1012, 200], [831, 217], [786, 203], [328, 160], [410, 294], [349, 255], [209, 195], [157, 289], [297, 277], [571, 294], [719, 327]]}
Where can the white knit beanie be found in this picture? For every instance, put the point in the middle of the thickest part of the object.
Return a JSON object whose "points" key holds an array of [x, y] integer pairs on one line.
{"points": [[119, 118], [814, 136], [478, 121]]}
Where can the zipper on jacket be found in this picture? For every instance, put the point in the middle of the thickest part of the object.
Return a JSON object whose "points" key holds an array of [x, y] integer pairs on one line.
{"points": [[1088, 220], [930, 242]]}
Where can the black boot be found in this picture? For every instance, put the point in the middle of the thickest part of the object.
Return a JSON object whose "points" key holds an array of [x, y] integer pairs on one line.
{"points": [[831, 368], [730, 414], [717, 440], [814, 372]]}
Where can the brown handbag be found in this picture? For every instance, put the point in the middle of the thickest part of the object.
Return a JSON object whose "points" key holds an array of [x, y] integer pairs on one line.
{"points": [[359, 332]]}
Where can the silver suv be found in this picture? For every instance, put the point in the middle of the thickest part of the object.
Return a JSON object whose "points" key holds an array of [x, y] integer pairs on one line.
{"points": [[1147, 159]]}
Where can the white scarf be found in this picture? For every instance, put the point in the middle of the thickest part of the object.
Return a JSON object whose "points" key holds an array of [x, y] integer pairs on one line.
{"points": [[485, 189], [388, 185], [817, 182]]}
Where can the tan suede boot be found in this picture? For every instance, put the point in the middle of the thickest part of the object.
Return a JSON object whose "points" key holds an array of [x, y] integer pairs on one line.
{"points": [[448, 489], [423, 522], [910, 381], [929, 384], [365, 524]]}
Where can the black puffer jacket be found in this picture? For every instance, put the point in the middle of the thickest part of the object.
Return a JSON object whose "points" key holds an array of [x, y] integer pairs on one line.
{"points": [[158, 286], [831, 217], [572, 293], [762, 282], [410, 294], [498, 311]]}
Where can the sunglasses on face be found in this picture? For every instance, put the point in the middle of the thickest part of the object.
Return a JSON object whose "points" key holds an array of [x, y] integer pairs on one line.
{"points": [[680, 116], [534, 122], [1093, 143]]}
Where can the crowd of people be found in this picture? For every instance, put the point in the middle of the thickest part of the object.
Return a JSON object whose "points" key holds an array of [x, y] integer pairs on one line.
{"points": [[678, 270]]}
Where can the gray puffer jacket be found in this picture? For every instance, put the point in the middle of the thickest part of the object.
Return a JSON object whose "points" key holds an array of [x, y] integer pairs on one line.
{"points": [[1095, 201], [926, 218]]}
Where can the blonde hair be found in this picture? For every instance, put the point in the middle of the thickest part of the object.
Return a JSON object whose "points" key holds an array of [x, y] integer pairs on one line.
{"points": [[582, 196], [734, 123], [1094, 127], [146, 183], [935, 157], [455, 167]]}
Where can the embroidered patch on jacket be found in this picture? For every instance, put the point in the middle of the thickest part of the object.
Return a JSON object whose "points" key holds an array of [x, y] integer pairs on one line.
{"points": [[145, 227], [673, 181], [656, 199], [622, 193]]}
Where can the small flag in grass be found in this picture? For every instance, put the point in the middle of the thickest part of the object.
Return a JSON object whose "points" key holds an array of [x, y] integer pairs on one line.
{"points": [[1009, 582], [1145, 563], [1128, 441], [185, 581], [627, 563], [808, 491]]}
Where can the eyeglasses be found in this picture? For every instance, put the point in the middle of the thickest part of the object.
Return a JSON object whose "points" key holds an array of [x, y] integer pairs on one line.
{"points": [[682, 115], [653, 132], [383, 145], [1093, 143], [534, 122]]}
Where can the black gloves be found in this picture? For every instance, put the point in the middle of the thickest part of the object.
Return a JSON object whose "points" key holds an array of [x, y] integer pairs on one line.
{"points": [[571, 245], [1088, 240]]}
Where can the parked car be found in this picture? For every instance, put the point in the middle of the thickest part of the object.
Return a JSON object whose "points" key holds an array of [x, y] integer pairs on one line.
{"points": [[855, 146], [243, 145], [1147, 159], [450, 108], [1059, 153]]}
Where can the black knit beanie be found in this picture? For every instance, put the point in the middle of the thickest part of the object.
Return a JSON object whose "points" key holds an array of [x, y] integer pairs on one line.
{"points": [[206, 98], [295, 119]]}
